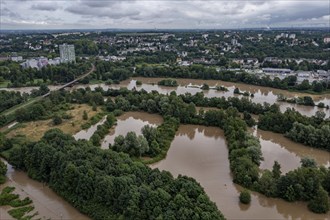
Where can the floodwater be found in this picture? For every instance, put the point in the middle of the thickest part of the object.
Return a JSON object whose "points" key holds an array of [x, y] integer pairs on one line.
{"points": [[201, 152], [276, 147], [261, 94], [131, 121], [29, 89], [46, 202], [87, 134]]}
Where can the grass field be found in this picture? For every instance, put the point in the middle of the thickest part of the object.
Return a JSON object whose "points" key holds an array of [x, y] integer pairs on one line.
{"points": [[4, 84], [35, 130]]}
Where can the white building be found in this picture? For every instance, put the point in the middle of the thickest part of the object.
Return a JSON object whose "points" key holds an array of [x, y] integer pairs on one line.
{"points": [[33, 63], [16, 58], [67, 53], [234, 42], [292, 36], [303, 74], [276, 71], [326, 40], [40, 62]]}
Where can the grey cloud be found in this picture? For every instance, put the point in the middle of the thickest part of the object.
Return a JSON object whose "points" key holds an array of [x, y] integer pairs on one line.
{"points": [[114, 12], [8, 13], [169, 13], [45, 7]]}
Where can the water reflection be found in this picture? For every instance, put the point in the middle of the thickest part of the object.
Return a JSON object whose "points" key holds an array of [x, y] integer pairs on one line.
{"points": [[131, 121], [205, 158], [276, 147], [261, 94], [87, 133]]}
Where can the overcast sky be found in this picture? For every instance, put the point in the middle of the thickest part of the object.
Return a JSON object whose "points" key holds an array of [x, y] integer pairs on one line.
{"points": [[41, 14]]}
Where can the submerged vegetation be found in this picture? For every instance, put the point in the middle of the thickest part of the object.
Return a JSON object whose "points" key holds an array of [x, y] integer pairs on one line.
{"points": [[20, 208]]}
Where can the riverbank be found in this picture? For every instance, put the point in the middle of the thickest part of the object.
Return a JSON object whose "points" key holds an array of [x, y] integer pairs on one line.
{"points": [[46, 202]]}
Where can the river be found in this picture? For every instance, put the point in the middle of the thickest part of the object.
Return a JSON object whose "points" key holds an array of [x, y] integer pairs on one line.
{"points": [[261, 94], [46, 202], [201, 152]]}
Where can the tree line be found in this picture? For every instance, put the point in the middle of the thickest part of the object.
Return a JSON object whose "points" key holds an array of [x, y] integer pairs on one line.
{"points": [[203, 72], [54, 74]]}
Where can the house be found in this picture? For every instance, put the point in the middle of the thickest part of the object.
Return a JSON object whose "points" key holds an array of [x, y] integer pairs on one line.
{"points": [[303, 74], [276, 71], [323, 74], [326, 40], [292, 36]]}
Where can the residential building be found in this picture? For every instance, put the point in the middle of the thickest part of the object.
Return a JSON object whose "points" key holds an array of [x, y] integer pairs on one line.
{"points": [[67, 53], [326, 40], [276, 71], [292, 36]]}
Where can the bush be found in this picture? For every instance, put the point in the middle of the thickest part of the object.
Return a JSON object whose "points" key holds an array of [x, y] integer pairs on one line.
{"points": [[236, 91], [205, 87], [57, 120], [18, 213], [85, 115], [245, 197]]}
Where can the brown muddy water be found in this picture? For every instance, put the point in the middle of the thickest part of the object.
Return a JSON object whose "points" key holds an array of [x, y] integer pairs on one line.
{"points": [[261, 94], [201, 152], [131, 121], [87, 133], [46, 202], [276, 147]]}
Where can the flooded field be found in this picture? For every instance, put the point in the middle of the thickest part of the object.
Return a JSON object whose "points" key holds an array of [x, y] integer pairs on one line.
{"points": [[201, 152], [131, 121], [46, 202]]}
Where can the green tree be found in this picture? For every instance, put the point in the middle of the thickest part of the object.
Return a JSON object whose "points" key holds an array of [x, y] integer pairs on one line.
{"points": [[320, 201], [57, 120], [308, 162], [3, 168], [205, 87], [276, 170], [245, 197]]}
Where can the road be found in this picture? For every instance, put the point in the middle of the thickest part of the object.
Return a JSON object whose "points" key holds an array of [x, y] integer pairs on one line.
{"points": [[14, 108]]}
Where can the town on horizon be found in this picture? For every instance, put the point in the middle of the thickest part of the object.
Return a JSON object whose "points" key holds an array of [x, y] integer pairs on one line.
{"points": [[164, 109]]}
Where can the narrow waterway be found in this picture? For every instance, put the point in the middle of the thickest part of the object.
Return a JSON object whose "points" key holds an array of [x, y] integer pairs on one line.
{"points": [[87, 133], [46, 202], [130, 121], [201, 152]]}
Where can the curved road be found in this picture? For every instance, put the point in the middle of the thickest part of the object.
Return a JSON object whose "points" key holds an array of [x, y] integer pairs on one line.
{"points": [[14, 108]]}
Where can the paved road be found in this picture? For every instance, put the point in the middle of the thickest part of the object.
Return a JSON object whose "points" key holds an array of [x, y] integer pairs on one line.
{"points": [[47, 94]]}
